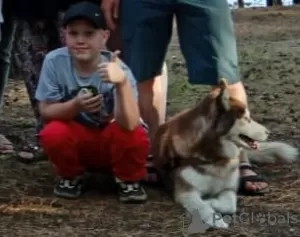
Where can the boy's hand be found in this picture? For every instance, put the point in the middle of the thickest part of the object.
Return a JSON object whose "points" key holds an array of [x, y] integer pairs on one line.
{"points": [[112, 72], [88, 103]]}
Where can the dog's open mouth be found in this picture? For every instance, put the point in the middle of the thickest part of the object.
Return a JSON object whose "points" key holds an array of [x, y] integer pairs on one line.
{"points": [[251, 143]]}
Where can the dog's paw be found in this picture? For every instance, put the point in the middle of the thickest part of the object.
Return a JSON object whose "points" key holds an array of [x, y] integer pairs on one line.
{"points": [[217, 223], [221, 224]]}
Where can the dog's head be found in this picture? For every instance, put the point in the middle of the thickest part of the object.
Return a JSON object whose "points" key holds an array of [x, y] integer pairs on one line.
{"points": [[233, 121]]}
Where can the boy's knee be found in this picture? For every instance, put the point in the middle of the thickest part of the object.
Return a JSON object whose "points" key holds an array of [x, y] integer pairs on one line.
{"points": [[135, 138], [54, 133]]}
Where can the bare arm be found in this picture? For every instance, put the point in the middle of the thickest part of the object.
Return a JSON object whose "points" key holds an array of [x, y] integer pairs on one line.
{"points": [[70, 109], [127, 113], [59, 111]]}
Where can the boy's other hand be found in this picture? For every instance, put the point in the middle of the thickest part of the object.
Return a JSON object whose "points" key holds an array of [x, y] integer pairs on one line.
{"points": [[88, 103], [112, 72]]}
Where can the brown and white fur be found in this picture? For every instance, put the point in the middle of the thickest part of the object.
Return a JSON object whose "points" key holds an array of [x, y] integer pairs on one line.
{"points": [[198, 150]]}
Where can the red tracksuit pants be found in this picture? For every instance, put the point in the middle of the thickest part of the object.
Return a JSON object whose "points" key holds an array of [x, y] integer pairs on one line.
{"points": [[74, 149]]}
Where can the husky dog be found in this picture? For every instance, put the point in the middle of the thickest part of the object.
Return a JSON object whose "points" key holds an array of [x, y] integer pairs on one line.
{"points": [[199, 149]]}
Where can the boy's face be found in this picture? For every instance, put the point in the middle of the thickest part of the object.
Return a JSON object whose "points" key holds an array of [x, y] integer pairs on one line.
{"points": [[83, 40]]}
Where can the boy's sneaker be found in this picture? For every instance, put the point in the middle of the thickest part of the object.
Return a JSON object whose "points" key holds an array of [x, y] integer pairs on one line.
{"points": [[131, 192], [69, 188]]}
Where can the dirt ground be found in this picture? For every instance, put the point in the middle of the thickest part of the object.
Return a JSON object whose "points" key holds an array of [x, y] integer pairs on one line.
{"points": [[269, 50]]}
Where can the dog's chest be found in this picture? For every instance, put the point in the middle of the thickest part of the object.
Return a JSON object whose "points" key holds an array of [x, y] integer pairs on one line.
{"points": [[210, 179]]}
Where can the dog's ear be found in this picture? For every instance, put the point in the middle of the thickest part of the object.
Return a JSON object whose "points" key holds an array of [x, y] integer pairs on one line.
{"points": [[225, 122], [223, 97]]}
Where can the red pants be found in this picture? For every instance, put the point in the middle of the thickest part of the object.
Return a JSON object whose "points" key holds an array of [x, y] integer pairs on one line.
{"points": [[74, 149]]}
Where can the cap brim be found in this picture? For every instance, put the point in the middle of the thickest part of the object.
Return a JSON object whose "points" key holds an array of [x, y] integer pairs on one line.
{"points": [[69, 19]]}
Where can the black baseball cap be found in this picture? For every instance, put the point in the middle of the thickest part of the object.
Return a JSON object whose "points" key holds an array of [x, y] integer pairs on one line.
{"points": [[85, 10]]}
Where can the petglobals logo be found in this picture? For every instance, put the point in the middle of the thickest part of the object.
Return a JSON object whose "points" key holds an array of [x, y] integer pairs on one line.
{"points": [[192, 223], [268, 218]]}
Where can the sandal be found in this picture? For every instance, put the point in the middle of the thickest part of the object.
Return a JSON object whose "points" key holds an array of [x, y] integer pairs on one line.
{"points": [[30, 154], [151, 176], [251, 178], [6, 146]]}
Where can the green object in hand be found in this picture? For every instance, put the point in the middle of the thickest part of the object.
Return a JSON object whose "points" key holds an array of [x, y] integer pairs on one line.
{"points": [[89, 89]]}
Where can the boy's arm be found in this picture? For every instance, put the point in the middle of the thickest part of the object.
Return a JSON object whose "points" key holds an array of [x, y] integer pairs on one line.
{"points": [[58, 110], [49, 96], [126, 112]]}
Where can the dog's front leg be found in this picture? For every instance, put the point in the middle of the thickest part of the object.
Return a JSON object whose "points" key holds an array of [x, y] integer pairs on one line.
{"points": [[225, 203], [192, 202]]}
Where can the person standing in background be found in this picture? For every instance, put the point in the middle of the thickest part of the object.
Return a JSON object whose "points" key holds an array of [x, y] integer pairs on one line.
{"points": [[8, 27], [207, 41]]}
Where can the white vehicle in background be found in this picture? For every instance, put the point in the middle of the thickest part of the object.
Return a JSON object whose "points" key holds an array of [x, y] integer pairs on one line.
{"points": [[233, 4]]}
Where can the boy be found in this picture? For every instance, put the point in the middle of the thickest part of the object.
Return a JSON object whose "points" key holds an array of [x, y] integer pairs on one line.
{"points": [[86, 130]]}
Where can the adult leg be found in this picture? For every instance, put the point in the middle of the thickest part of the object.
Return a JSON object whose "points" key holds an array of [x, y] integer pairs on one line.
{"points": [[146, 32], [250, 182], [33, 41], [115, 40], [7, 37], [7, 32], [206, 35], [116, 43]]}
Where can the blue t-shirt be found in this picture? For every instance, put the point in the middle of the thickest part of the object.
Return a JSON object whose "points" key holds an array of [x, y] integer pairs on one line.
{"points": [[60, 82]]}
